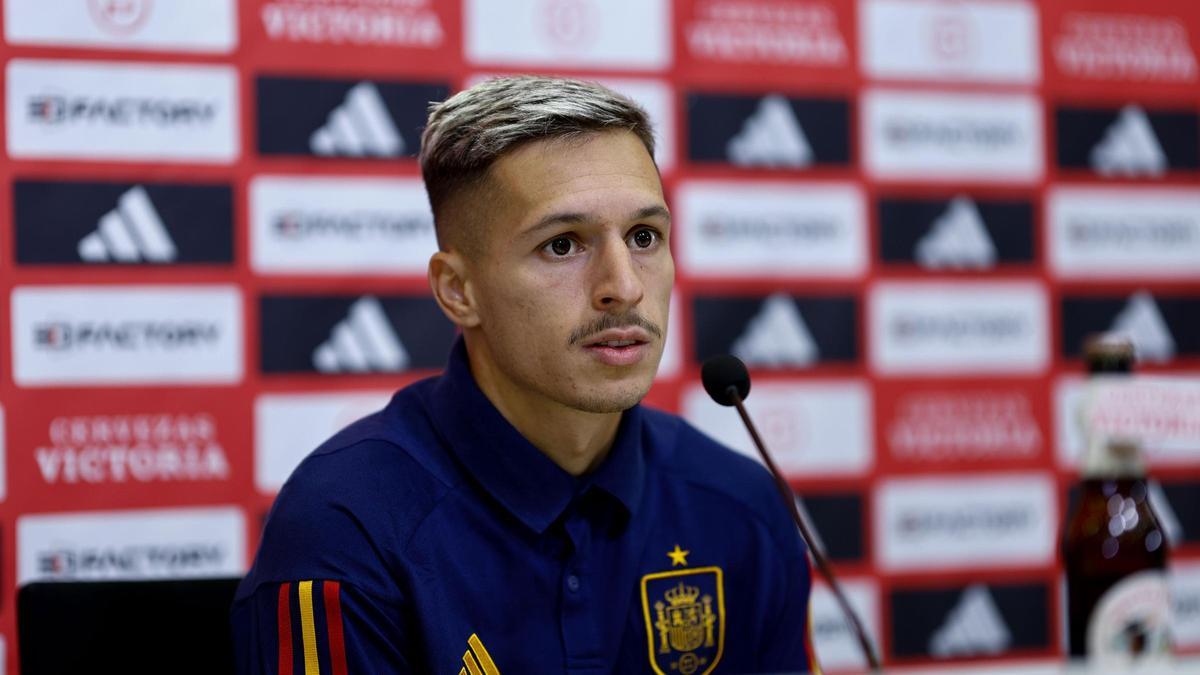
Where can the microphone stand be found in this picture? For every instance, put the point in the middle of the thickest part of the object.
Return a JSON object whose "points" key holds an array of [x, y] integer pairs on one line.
{"points": [[785, 491]]}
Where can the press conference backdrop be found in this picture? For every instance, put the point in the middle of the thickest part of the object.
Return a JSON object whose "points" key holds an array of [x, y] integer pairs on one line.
{"points": [[904, 215]]}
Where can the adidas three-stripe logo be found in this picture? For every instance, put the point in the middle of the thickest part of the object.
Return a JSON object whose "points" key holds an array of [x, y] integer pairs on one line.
{"points": [[132, 232], [360, 126], [476, 660], [311, 635], [362, 342]]}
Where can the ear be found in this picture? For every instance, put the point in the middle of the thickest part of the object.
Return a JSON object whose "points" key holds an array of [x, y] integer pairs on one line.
{"points": [[451, 287]]}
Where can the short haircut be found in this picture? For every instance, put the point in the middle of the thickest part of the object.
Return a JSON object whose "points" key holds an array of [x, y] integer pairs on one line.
{"points": [[469, 131]]}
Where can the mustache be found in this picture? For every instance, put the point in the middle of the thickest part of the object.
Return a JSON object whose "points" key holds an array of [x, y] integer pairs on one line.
{"points": [[609, 321]]}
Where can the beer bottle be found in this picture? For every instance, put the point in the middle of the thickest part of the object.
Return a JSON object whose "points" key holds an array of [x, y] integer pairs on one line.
{"points": [[1114, 551]]}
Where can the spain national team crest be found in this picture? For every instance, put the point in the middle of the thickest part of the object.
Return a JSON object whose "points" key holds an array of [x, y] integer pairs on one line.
{"points": [[685, 620]]}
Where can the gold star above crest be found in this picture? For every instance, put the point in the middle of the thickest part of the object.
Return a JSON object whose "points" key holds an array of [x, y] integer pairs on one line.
{"points": [[678, 556]]}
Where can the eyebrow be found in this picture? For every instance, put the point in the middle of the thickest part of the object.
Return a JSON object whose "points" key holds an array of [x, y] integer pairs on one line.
{"points": [[579, 217]]}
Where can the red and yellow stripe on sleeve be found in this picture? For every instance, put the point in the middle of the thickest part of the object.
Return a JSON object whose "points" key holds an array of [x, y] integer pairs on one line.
{"points": [[311, 638]]}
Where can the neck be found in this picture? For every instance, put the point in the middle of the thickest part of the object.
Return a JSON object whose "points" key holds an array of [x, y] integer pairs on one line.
{"points": [[575, 440]]}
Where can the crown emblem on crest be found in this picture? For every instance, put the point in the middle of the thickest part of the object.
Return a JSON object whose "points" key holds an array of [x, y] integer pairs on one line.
{"points": [[682, 595]]}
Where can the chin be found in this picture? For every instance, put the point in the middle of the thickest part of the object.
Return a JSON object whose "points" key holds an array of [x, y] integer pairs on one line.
{"points": [[611, 399]]}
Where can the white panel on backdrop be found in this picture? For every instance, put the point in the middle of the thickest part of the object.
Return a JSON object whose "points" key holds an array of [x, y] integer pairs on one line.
{"points": [[914, 135], [1185, 604], [807, 426], [974, 327], [145, 544], [289, 426], [965, 521], [81, 335], [1169, 424], [771, 228], [340, 225], [1123, 232], [609, 34], [936, 40], [658, 100], [122, 111], [833, 639], [170, 25]]}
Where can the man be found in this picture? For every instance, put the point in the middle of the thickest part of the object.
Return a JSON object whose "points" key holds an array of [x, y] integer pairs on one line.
{"points": [[521, 513]]}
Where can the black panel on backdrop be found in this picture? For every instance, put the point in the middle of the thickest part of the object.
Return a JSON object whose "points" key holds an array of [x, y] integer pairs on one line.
{"points": [[1168, 325], [1080, 131], [838, 521], [969, 620], [64, 222], [831, 323], [905, 223], [352, 334], [343, 118], [715, 120]]}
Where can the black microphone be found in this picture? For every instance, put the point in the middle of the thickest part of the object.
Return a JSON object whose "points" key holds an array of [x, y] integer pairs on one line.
{"points": [[727, 381]]}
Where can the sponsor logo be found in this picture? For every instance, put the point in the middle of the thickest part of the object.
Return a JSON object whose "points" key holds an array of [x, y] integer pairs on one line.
{"points": [[1129, 147], [1162, 411], [98, 223], [150, 544], [360, 126], [926, 328], [142, 448], [778, 331], [958, 239], [121, 111], [131, 233], [980, 619], [1130, 142], [1124, 232], [1162, 329], [340, 225], [771, 137], [768, 131], [912, 135], [363, 341], [944, 425], [957, 234], [795, 34], [289, 426], [965, 522], [776, 337], [1124, 47], [338, 334], [758, 228], [992, 42], [974, 627], [93, 336], [123, 24], [373, 23], [621, 34], [833, 638], [808, 426], [342, 118], [1185, 605]]}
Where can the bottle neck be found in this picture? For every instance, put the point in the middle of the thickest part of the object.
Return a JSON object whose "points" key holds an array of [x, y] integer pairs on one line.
{"points": [[1108, 456]]}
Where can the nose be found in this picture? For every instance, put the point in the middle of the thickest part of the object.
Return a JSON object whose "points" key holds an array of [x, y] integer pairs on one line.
{"points": [[617, 286]]}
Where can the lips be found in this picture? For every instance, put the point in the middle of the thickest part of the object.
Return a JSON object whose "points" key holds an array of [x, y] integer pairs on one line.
{"points": [[619, 347]]}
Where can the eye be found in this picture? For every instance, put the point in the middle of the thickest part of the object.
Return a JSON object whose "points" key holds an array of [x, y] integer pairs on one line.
{"points": [[644, 238], [560, 246]]}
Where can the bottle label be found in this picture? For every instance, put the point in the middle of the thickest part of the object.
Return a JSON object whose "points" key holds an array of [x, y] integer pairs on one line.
{"points": [[1131, 621]]}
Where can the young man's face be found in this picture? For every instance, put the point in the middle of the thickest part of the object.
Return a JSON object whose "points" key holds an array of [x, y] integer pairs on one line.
{"points": [[575, 274]]}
